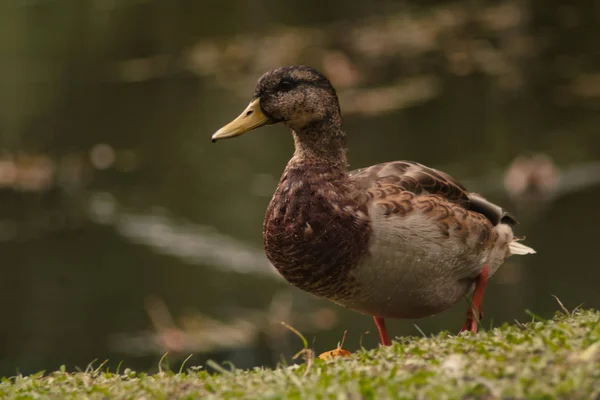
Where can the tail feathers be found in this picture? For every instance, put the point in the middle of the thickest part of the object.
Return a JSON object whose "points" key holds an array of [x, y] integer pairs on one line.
{"points": [[517, 248]]}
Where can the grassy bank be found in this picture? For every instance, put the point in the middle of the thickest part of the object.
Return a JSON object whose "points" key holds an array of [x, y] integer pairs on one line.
{"points": [[559, 358]]}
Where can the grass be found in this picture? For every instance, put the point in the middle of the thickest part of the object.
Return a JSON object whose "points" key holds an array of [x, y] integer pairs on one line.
{"points": [[558, 358]]}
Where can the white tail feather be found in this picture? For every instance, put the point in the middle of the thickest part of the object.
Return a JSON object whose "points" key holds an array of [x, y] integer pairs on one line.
{"points": [[520, 249]]}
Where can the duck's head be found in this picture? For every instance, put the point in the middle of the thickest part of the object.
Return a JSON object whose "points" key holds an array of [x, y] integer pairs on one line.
{"points": [[298, 96]]}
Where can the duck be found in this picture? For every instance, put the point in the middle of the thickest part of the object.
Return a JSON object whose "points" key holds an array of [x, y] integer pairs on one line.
{"points": [[393, 240], [531, 179]]}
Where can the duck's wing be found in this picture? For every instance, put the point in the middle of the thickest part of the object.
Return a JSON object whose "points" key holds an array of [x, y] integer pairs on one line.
{"points": [[424, 222], [386, 182]]}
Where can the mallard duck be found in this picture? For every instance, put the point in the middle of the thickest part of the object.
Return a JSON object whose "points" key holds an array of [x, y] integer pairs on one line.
{"points": [[532, 179], [394, 240]]}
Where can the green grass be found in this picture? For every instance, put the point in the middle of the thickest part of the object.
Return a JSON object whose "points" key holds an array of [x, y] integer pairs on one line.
{"points": [[559, 358]]}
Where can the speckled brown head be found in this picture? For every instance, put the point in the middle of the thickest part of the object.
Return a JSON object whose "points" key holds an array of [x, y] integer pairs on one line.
{"points": [[304, 100]]}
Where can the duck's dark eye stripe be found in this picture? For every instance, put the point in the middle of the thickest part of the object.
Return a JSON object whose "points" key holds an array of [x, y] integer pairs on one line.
{"points": [[287, 85]]}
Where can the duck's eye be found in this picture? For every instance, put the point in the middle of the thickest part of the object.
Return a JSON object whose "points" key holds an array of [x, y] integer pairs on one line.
{"points": [[285, 85]]}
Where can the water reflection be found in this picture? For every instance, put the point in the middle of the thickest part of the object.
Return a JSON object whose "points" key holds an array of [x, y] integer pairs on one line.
{"points": [[194, 332], [191, 243], [533, 182], [124, 233]]}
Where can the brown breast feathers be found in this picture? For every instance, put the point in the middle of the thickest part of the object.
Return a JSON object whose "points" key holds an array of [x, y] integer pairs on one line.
{"points": [[316, 230]]}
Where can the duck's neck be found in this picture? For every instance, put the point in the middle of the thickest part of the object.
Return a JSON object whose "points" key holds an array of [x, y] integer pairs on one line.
{"points": [[322, 142]]}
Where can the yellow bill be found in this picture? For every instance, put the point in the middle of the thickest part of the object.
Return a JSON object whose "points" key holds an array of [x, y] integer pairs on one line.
{"points": [[251, 118]]}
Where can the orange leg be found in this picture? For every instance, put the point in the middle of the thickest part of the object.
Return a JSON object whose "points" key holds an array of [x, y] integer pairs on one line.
{"points": [[471, 322], [383, 335]]}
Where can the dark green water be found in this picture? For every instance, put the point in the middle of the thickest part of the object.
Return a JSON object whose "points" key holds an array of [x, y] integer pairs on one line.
{"points": [[111, 193]]}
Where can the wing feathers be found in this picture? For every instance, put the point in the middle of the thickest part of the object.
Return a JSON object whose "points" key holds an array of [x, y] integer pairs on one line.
{"points": [[388, 180]]}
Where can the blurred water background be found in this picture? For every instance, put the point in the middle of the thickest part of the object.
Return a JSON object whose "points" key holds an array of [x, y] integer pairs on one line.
{"points": [[124, 233]]}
